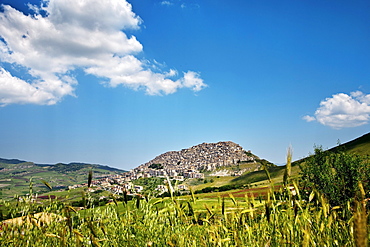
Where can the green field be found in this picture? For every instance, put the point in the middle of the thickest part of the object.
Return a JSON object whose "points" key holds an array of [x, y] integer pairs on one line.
{"points": [[272, 210], [279, 219]]}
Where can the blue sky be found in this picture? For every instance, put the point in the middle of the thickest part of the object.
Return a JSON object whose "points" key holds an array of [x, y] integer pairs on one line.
{"points": [[118, 83]]}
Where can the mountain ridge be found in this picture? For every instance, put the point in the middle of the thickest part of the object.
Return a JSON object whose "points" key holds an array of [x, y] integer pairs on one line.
{"points": [[18, 161]]}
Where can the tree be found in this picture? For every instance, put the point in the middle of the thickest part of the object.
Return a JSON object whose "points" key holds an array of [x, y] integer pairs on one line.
{"points": [[336, 174], [156, 166]]}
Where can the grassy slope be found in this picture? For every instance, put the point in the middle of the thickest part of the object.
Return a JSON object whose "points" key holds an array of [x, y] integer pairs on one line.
{"points": [[18, 183], [359, 145], [219, 181], [256, 178], [15, 178]]}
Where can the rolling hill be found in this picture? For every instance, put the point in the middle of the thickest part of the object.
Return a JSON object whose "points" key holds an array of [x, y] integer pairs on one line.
{"points": [[360, 145], [15, 176]]}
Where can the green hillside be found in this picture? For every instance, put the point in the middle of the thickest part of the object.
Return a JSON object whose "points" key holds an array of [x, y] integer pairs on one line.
{"points": [[359, 145], [15, 176]]}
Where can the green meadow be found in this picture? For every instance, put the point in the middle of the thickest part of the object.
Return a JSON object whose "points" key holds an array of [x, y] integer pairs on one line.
{"points": [[273, 215], [277, 219], [319, 201]]}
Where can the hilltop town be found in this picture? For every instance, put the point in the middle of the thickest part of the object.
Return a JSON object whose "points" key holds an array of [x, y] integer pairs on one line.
{"points": [[214, 159], [196, 159], [180, 165]]}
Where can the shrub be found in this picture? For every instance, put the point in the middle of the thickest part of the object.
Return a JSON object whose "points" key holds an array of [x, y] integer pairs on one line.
{"points": [[336, 175]]}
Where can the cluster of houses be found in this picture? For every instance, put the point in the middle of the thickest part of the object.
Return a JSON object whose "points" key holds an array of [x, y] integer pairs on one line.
{"points": [[203, 157], [119, 184], [177, 165]]}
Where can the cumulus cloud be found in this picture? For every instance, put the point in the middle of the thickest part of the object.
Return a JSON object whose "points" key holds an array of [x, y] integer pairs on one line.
{"points": [[343, 110], [64, 35], [192, 80], [15, 90]]}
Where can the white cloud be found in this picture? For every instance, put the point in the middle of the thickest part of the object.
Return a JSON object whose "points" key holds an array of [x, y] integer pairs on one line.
{"points": [[182, 5], [343, 110], [15, 90], [190, 6], [192, 80], [309, 118], [71, 34], [166, 3]]}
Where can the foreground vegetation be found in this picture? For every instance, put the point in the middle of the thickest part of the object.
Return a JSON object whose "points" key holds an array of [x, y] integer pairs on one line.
{"points": [[281, 219], [326, 205]]}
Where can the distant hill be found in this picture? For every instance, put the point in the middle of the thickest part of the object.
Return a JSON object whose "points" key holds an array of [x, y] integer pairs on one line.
{"points": [[11, 161], [60, 167], [15, 175]]}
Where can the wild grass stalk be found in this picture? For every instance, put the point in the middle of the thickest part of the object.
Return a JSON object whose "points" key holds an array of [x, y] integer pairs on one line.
{"points": [[288, 167], [360, 219]]}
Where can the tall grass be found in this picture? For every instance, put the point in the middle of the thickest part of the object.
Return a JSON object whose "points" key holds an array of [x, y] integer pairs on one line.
{"points": [[288, 167], [283, 220]]}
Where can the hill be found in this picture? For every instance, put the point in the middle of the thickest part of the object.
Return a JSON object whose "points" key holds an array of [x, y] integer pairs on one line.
{"points": [[360, 145], [11, 161], [202, 157], [16, 175], [202, 165]]}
